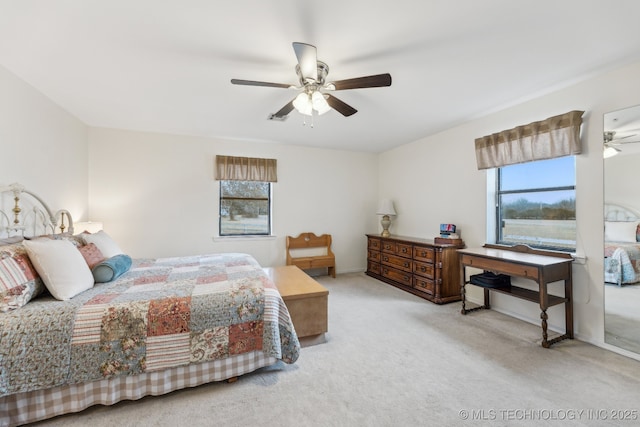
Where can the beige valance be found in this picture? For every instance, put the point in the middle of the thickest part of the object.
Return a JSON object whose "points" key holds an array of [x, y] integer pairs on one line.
{"points": [[554, 137], [230, 168]]}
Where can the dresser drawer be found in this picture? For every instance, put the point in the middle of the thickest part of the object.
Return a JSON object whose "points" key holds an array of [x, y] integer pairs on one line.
{"points": [[424, 254], [396, 275], [424, 285], [373, 267], [424, 269], [373, 256], [404, 250], [374, 244], [400, 249], [404, 264]]}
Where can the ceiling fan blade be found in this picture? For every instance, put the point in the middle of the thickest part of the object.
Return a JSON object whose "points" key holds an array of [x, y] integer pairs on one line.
{"points": [[255, 83], [378, 80], [342, 108], [284, 110], [307, 60]]}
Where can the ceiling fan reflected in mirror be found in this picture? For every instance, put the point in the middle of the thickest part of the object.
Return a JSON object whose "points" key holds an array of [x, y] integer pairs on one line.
{"points": [[611, 142], [314, 88]]}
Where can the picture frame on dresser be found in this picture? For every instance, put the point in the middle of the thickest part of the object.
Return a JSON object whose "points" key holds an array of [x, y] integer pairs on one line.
{"points": [[422, 267]]}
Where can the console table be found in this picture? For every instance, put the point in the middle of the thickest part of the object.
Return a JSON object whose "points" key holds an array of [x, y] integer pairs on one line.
{"points": [[543, 267]]}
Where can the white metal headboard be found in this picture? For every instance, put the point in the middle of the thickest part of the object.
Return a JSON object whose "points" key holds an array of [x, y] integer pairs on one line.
{"points": [[29, 216], [620, 213]]}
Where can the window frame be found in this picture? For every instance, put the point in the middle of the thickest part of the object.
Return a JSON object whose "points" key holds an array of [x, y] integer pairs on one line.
{"points": [[269, 200], [494, 225]]}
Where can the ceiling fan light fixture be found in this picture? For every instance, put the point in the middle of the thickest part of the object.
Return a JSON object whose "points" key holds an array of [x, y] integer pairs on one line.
{"points": [[609, 152], [303, 104], [319, 103]]}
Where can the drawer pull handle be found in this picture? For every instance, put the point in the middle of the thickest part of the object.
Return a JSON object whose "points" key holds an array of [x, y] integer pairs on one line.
{"points": [[404, 250], [423, 269], [406, 264]]}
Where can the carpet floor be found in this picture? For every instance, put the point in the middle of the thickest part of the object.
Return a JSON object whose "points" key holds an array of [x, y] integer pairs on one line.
{"points": [[393, 359]]}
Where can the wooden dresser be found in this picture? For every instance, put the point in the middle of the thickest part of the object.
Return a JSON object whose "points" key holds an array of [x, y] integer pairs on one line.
{"points": [[420, 266]]}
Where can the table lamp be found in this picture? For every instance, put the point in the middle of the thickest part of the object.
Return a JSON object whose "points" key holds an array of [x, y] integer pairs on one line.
{"points": [[385, 208]]}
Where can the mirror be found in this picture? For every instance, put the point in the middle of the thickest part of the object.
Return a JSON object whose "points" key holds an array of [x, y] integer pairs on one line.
{"points": [[622, 214]]}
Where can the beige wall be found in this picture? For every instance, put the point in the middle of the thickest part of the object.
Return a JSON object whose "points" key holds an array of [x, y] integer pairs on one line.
{"points": [[42, 146], [447, 187], [156, 195]]}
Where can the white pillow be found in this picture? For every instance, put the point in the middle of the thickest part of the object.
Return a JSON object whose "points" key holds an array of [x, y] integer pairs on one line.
{"points": [[104, 243], [620, 231], [61, 266]]}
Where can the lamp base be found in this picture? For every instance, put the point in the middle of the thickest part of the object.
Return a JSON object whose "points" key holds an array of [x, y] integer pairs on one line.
{"points": [[385, 222]]}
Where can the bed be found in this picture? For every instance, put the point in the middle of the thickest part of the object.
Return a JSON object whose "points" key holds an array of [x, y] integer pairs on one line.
{"points": [[622, 245], [145, 327]]}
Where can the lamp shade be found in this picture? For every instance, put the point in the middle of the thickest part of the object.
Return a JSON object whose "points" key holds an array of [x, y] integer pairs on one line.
{"points": [[303, 104], [385, 207], [319, 103], [90, 226]]}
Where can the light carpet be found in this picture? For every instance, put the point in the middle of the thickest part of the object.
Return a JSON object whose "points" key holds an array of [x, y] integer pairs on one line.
{"points": [[622, 317], [393, 359]]}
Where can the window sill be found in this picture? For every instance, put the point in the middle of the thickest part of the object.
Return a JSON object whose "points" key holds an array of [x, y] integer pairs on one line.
{"points": [[242, 238], [579, 259]]}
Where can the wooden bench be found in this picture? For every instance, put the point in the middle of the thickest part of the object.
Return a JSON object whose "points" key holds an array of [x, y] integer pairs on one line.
{"points": [[302, 257], [306, 300]]}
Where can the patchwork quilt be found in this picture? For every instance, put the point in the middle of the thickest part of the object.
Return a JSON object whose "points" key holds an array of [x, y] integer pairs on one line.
{"points": [[622, 263], [162, 313]]}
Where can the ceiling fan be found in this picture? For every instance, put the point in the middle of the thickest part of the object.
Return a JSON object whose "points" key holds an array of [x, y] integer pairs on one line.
{"points": [[610, 138], [314, 88], [611, 143]]}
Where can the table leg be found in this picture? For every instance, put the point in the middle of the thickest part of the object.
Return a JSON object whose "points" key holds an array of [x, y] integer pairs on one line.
{"points": [[544, 317], [544, 304], [462, 289], [568, 306]]}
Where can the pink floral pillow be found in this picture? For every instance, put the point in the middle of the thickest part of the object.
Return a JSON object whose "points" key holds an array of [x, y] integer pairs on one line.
{"points": [[91, 254], [19, 280]]}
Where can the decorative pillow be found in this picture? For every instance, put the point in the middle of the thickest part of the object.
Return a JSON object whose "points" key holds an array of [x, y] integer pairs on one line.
{"points": [[111, 268], [19, 280], [61, 267], [91, 254], [104, 242], [620, 231]]}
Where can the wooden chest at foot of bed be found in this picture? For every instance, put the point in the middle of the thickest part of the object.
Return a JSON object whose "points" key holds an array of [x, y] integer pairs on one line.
{"points": [[306, 299]]}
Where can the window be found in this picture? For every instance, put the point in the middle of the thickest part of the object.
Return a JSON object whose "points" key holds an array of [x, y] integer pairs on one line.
{"points": [[245, 208], [535, 204]]}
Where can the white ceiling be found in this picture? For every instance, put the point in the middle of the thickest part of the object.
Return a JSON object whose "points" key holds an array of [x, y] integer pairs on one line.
{"points": [[165, 66]]}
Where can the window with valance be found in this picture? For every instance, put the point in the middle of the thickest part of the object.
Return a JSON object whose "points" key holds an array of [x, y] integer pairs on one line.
{"points": [[245, 195], [531, 179]]}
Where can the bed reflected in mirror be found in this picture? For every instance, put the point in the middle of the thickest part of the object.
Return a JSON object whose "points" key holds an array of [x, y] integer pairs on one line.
{"points": [[622, 236]]}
